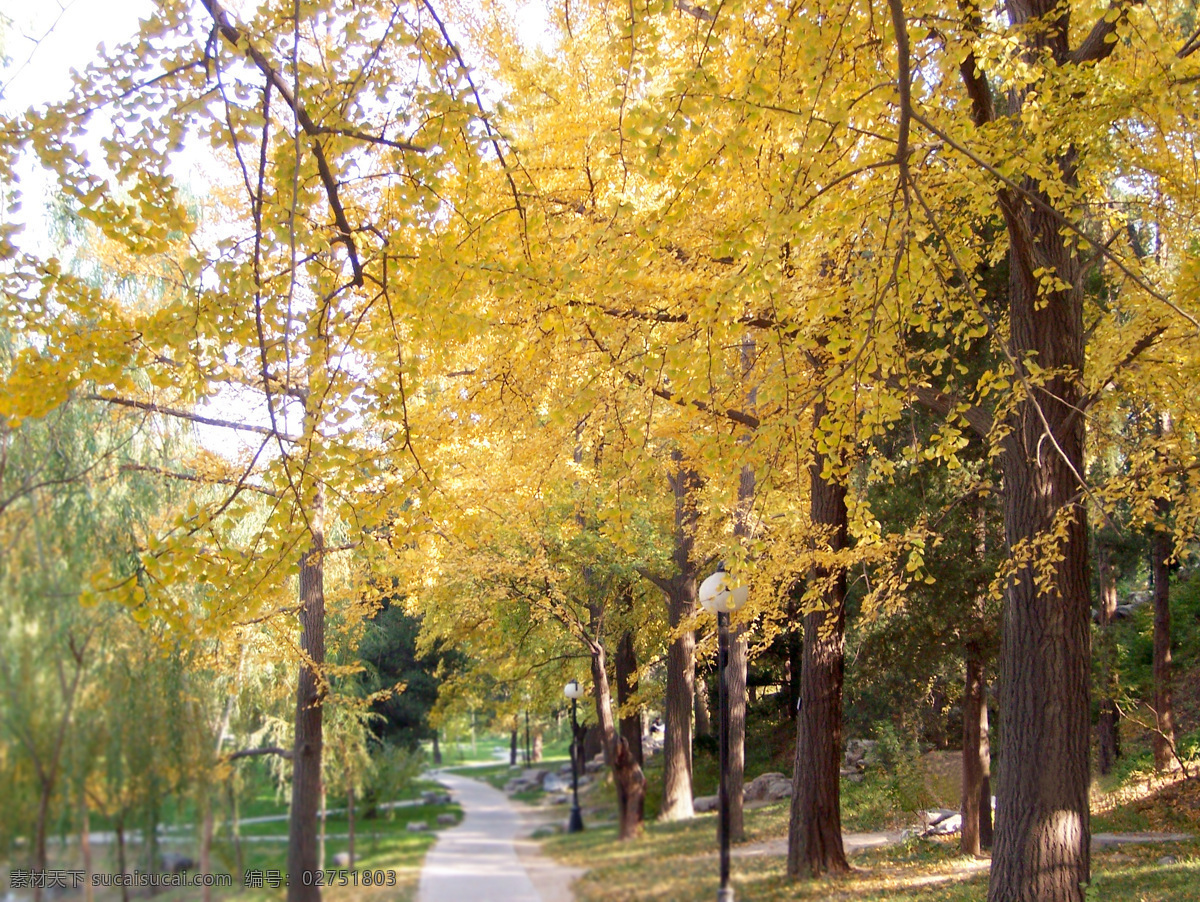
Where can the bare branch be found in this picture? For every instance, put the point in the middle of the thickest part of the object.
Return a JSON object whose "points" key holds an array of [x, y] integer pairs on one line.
{"points": [[203, 480], [193, 417]]}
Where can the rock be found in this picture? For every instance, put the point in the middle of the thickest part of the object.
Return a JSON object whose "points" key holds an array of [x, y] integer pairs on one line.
{"points": [[594, 767], [435, 797], [559, 798], [446, 819], [521, 784], [416, 826], [860, 754], [702, 804], [942, 822], [556, 783], [769, 787], [1168, 859], [176, 863], [341, 860]]}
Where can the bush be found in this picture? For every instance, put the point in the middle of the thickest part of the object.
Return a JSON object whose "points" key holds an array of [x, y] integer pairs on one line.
{"points": [[394, 773], [899, 760]]}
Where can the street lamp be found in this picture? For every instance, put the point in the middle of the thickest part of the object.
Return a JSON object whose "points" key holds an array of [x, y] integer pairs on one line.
{"points": [[573, 691], [717, 597]]}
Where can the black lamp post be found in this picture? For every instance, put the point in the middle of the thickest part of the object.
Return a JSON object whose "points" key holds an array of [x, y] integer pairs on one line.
{"points": [[717, 598], [573, 691]]}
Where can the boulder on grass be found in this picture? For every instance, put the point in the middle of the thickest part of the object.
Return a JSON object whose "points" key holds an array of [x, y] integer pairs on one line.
{"points": [[703, 804], [768, 787]]}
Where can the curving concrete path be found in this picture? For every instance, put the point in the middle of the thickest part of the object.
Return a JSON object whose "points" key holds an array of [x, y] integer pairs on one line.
{"points": [[477, 861]]}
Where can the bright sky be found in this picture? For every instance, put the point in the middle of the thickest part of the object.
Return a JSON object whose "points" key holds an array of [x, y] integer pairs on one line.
{"points": [[45, 41]]}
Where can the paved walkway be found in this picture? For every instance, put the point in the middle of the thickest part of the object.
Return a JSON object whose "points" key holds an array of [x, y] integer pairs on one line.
{"points": [[478, 860]]}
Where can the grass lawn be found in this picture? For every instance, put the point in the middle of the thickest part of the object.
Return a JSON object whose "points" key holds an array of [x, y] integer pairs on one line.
{"points": [[383, 846], [678, 861]]}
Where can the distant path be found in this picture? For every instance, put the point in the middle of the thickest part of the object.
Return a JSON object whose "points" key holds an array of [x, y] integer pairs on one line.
{"points": [[477, 861]]}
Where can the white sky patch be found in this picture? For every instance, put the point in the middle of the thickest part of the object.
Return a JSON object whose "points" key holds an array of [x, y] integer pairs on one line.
{"points": [[533, 26], [46, 41]]}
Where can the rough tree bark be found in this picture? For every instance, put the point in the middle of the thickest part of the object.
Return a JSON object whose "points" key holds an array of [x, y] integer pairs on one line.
{"points": [[306, 753], [631, 791], [681, 655], [630, 724], [735, 692], [1042, 843], [976, 759], [815, 826], [1107, 733], [603, 698]]}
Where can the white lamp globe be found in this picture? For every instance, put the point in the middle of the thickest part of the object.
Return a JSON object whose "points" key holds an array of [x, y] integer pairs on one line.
{"points": [[572, 690], [717, 597]]}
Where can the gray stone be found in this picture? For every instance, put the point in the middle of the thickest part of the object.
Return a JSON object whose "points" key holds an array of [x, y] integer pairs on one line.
{"points": [[520, 784], [435, 797], [768, 787], [446, 819], [942, 822], [556, 783], [416, 826], [1168, 859], [341, 860], [860, 754], [594, 767], [703, 804]]}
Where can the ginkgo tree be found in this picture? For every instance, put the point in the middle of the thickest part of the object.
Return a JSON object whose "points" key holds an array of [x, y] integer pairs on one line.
{"points": [[294, 284]]}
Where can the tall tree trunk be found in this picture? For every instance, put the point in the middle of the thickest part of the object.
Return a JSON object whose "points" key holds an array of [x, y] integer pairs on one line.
{"points": [[703, 719], [537, 745], [631, 791], [735, 693], [677, 737], [437, 750], [119, 828], [603, 698], [306, 753], [815, 826], [512, 747], [630, 724], [1042, 840], [976, 759], [681, 654], [1163, 738], [1108, 737]]}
